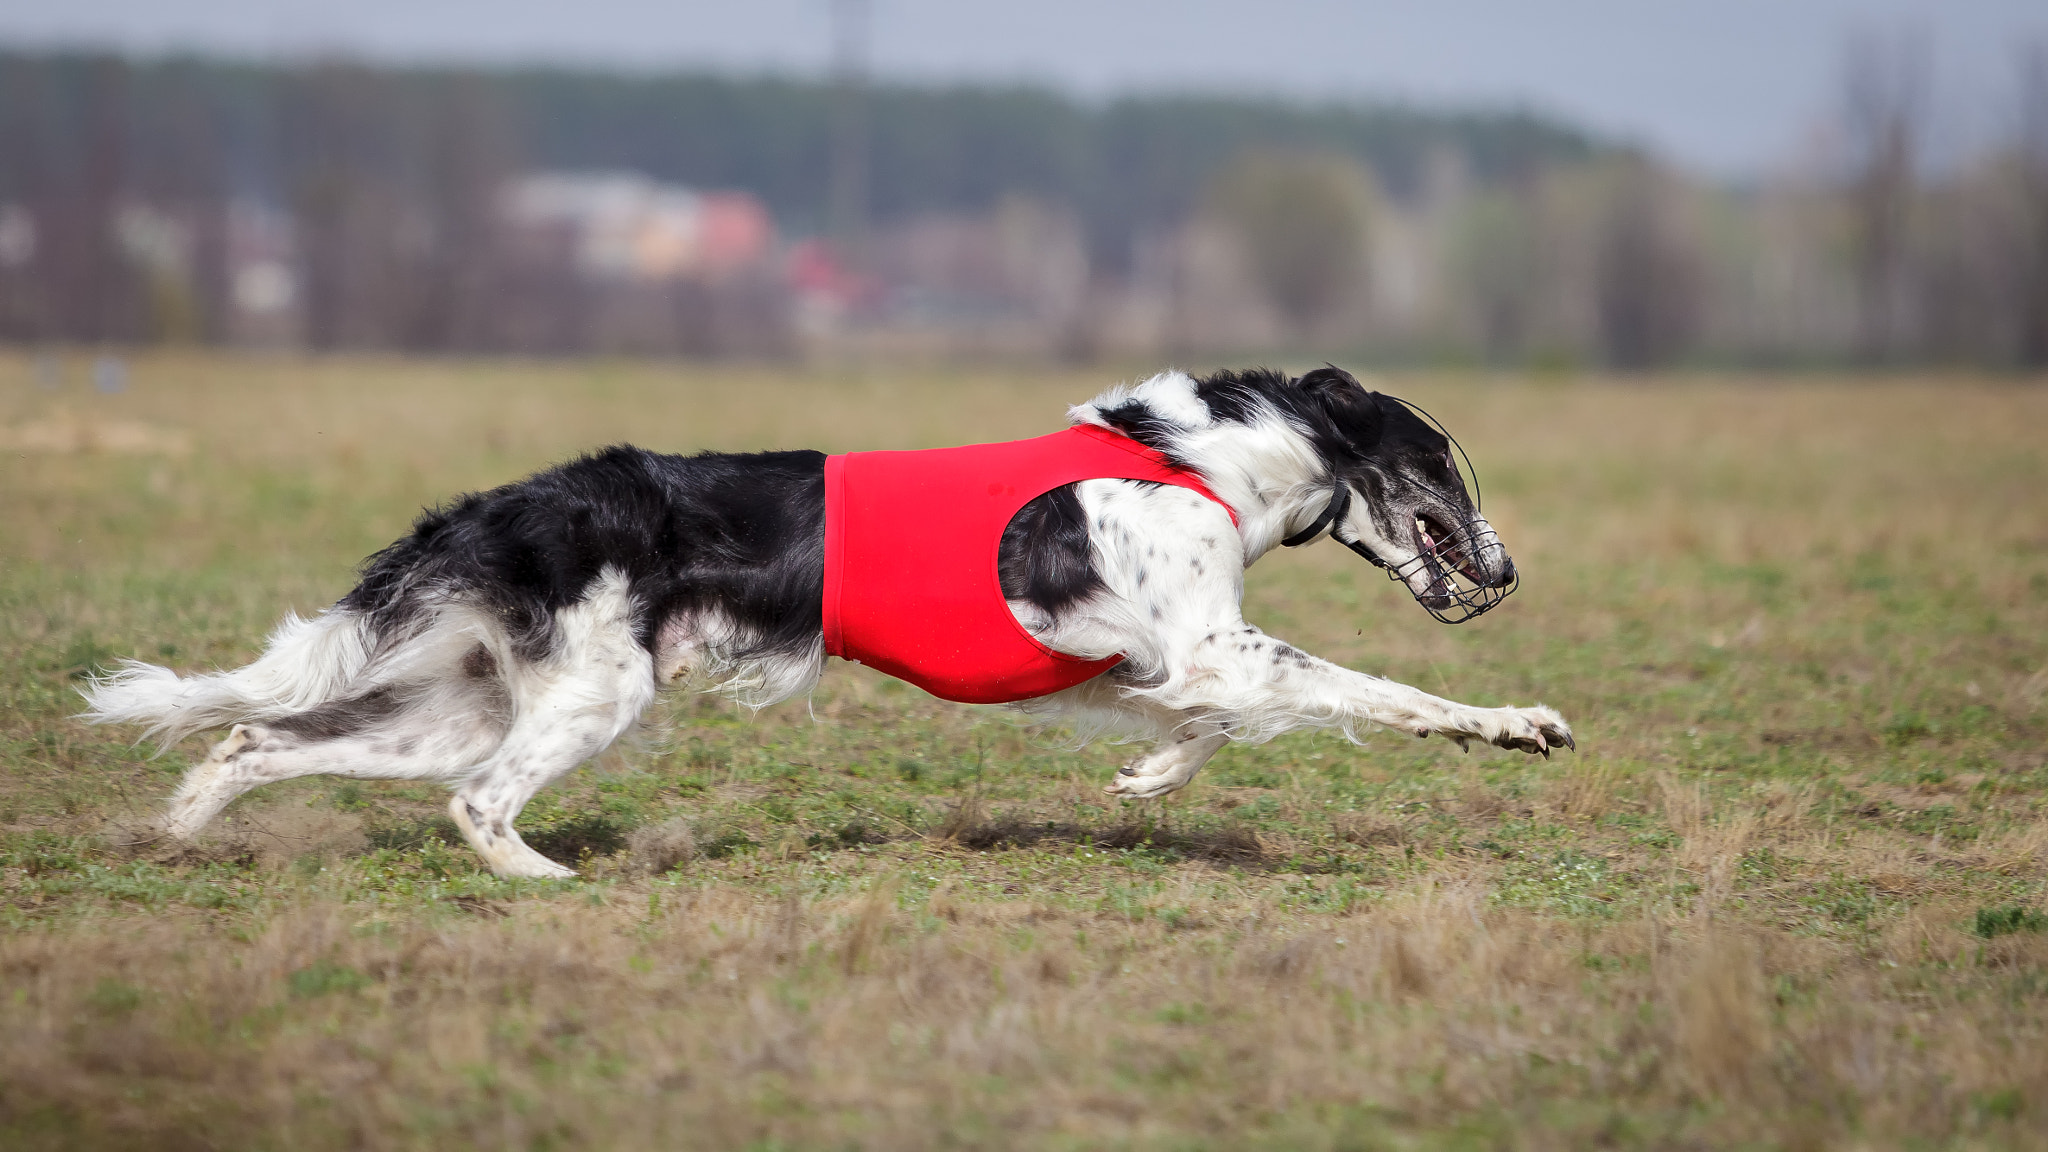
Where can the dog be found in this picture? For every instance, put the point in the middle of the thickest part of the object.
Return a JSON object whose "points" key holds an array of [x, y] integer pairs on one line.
{"points": [[516, 633]]}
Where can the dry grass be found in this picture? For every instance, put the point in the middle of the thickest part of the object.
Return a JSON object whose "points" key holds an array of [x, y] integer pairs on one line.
{"points": [[1788, 895]]}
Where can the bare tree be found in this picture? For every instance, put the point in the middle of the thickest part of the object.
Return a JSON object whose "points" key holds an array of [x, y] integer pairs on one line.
{"points": [[1503, 267], [74, 175], [1646, 279], [847, 197], [181, 172], [29, 188], [468, 161], [343, 151], [1304, 220], [1884, 92], [2032, 163]]}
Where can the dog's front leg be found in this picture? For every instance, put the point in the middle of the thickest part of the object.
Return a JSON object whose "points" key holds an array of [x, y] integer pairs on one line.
{"points": [[1252, 685], [1173, 564], [1535, 729]]}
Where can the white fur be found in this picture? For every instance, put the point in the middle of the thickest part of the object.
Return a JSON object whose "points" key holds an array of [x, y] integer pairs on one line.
{"points": [[567, 709], [707, 646], [304, 663]]}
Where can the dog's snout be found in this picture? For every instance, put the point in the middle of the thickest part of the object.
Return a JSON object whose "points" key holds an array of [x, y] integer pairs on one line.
{"points": [[1507, 573]]}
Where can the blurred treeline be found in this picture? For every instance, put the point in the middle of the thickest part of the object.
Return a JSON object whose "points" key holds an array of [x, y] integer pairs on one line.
{"points": [[336, 204]]}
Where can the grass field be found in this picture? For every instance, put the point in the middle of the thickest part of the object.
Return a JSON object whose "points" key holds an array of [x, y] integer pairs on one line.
{"points": [[1791, 893]]}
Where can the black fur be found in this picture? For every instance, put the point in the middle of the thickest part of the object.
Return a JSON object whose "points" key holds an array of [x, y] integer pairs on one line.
{"points": [[1134, 419], [338, 718], [1044, 556], [744, 534]]}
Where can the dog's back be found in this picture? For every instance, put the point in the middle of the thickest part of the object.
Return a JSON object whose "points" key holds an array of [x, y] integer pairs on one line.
{"points": [[739, 534]]}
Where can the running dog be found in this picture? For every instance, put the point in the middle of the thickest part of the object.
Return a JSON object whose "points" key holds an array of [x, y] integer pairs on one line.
{"points": [[516, 633]]}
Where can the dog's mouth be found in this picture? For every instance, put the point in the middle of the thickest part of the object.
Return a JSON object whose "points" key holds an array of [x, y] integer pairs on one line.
{"points": [[1447, 574], [1442, 552]]}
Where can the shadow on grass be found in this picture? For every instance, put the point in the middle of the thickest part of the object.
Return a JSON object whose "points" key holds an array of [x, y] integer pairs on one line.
{"points": [[1219, 844], [578, 836], [569, 839], [405, 835]]}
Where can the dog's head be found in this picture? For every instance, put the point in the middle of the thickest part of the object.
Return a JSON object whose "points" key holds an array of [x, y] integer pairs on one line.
{"points": [[1379, 477], [1397, 497]]}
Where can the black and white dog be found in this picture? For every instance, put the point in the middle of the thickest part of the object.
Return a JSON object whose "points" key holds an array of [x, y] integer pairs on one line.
{"points": [[518, 632]]}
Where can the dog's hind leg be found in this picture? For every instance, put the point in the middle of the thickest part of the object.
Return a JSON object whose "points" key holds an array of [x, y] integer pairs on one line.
{"points": [[1170, 766], [1182, 741], [211, 785], [568, 709], [532, 757], [372, 737]]}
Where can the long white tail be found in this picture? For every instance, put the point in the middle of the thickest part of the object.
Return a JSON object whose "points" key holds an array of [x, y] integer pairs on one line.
{"points": [[306, 663]]}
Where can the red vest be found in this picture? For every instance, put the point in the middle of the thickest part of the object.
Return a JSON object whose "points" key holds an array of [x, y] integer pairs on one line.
{"points": [[910, 558]]}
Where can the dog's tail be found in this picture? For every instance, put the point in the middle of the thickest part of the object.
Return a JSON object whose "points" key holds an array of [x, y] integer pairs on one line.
{"points": [[305, 663]]}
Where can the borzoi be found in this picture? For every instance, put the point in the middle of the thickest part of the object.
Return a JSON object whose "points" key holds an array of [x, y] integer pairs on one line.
{"points": [[518, 632]]}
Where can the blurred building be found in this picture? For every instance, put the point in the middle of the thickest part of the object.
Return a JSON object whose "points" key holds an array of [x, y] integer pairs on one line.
{"points": [[262, 306], [1007, 282], [616, 262], [627, 228]]}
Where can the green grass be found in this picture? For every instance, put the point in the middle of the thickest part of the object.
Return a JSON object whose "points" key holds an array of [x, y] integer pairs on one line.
{"points": [[1788, 894]]}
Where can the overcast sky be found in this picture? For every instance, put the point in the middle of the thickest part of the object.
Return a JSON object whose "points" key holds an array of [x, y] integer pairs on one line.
{"points": [[1732, 86]]}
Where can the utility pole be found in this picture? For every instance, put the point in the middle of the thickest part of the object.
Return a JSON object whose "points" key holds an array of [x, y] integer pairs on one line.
{"points": [[848, 200]]}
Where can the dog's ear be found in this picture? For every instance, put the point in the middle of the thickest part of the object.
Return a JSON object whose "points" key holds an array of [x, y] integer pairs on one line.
{"points": [[1355, 413], [1329, 378]]}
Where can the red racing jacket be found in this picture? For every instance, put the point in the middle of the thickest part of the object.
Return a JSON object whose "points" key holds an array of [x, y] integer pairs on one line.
{"points": [[911, 540]]}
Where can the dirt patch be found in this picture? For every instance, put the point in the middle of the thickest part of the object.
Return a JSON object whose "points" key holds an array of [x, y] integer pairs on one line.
{"points": [[271, 837], [63, 432], [661, 848]]}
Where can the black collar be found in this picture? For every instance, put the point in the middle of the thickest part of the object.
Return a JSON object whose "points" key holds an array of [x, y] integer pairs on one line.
{"points": [[1332, 515]]}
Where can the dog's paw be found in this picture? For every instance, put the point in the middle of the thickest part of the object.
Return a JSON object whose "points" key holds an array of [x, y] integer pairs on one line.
{"points": [[238, 740], [1535, 730], [532, 866], [1133, 782]]}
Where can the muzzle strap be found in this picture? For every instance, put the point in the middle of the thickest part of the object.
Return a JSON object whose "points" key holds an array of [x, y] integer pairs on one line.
{"points": [[1333, 515], [1340, 503]]}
